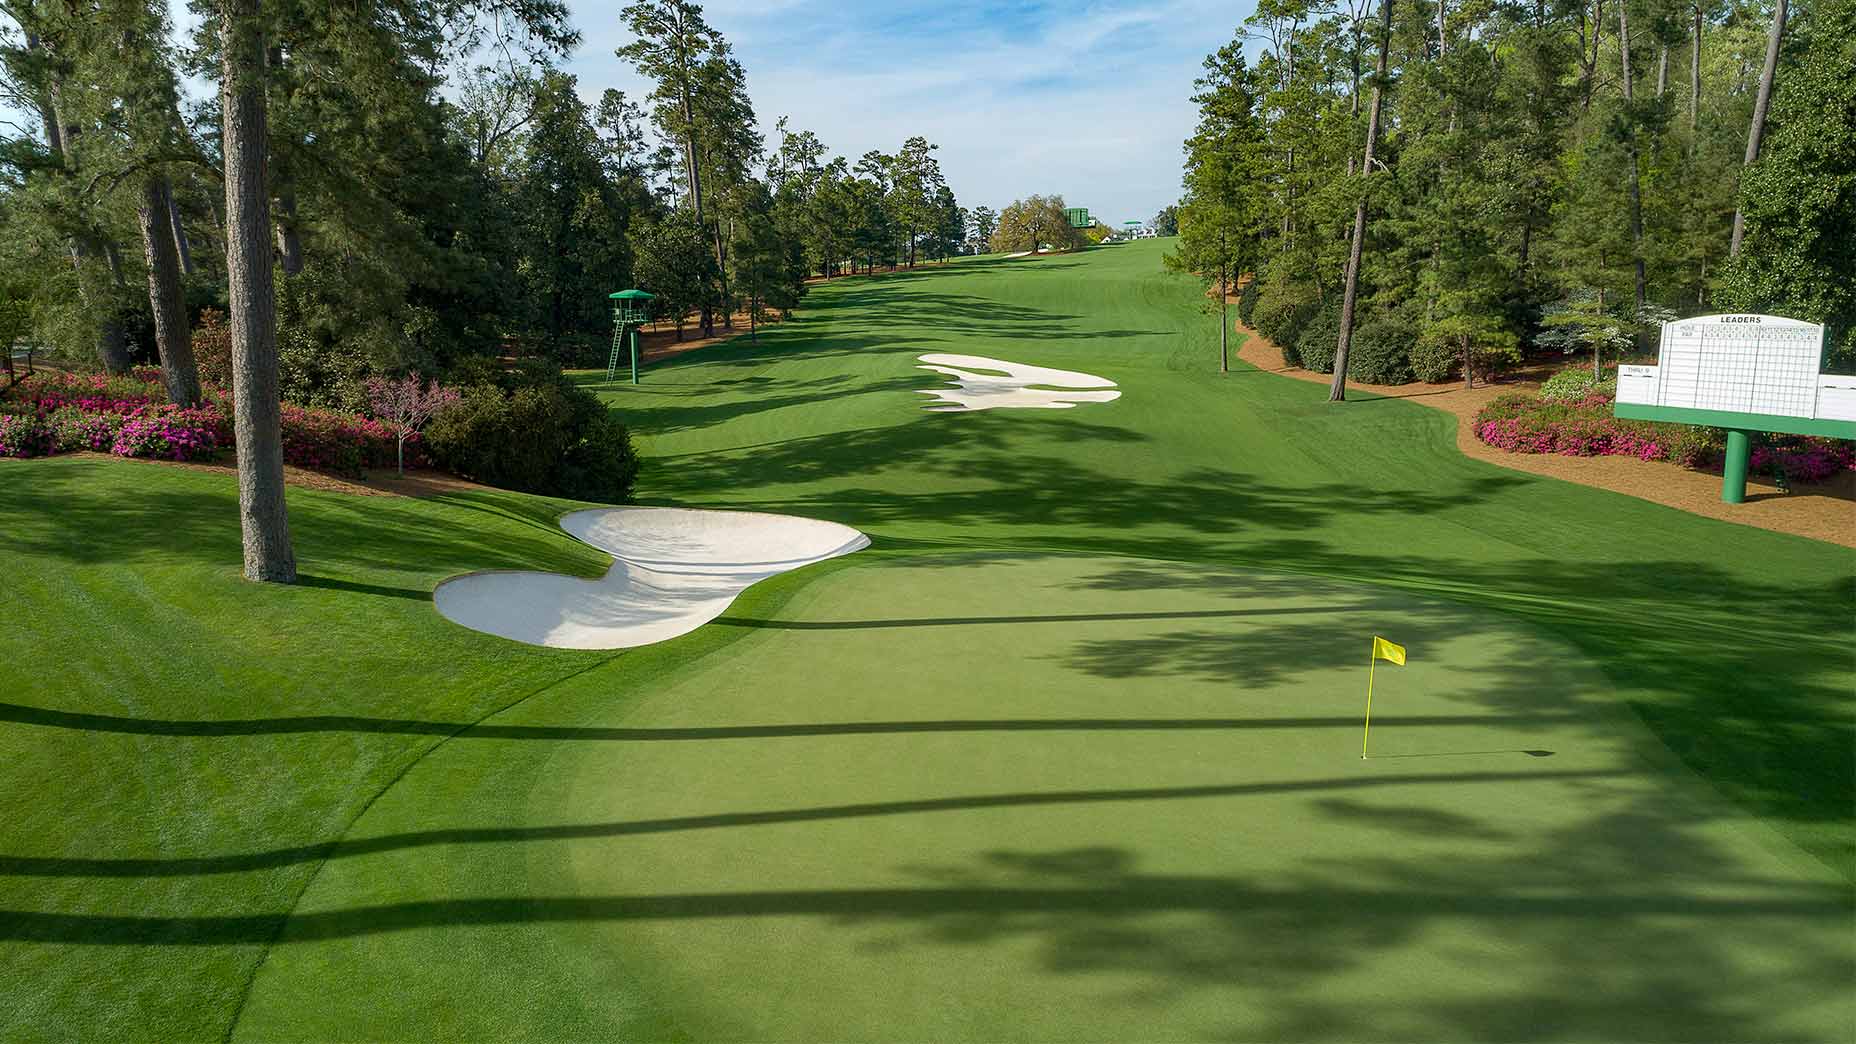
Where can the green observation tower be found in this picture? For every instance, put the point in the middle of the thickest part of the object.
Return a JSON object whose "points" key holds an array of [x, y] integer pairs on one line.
{"points": [[630, 310]]}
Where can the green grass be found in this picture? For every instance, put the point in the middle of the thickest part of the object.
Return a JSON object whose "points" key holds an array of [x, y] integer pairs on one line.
{"points": [[1071, 752]]}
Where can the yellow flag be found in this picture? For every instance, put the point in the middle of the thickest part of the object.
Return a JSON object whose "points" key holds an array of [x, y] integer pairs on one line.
{"points": [[1384, 650]]}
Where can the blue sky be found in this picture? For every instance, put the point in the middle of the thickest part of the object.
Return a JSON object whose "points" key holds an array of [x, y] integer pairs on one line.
{"points": [[1087, 99]]}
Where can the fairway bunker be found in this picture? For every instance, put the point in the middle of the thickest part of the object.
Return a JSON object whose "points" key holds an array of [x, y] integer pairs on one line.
{"points": [[1012, 385], [674, 570]]}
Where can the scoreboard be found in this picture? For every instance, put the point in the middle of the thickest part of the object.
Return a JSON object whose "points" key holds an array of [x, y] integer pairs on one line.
{"points": [[1753, 372]]}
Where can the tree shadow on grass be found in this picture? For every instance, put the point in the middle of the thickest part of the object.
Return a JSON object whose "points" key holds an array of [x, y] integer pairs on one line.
{"points": [[663, 419], [880, 316], [332, 584], [285, 725], [1595, 956], [1011, 484], [791, 342], [1579, 963], [912, 622], [67, 512], [1717, 666], [349, 847]]}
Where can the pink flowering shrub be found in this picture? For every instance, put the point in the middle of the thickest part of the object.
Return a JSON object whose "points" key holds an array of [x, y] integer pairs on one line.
{"points": [[129, 416], [167, 433], [24, 435], [1808, 460], [91, 392], [73, 429], [341, 442], [1523, 423]]}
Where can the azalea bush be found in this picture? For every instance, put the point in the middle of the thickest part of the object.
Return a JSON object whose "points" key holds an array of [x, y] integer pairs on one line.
{"points": [[528, 428], [1803, 458], [24, 435], [1577, 383], [1584, 427], [167, 433], [129, 416], [345, 443], [50, 390], [74, 429], [1523, 423]]}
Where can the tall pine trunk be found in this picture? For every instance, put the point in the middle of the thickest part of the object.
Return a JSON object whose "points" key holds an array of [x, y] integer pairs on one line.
{"points": [[172, 340], [182, 249], [289, 239], [1337, 389], [112, 340], [1636, 176], [252, 298], [1588, 68], [721, 275], [1758, 129], [1694, 77], [1224, 319], [695, 179]]}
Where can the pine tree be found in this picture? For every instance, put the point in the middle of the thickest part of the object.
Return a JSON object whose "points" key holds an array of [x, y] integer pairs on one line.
{"points": [[1338, 389], [1217, 219], [256, 408], [1798, 254]]}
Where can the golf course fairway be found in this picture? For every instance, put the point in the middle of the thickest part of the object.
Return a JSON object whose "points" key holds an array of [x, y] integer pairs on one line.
{"points": [[1071, 752]]}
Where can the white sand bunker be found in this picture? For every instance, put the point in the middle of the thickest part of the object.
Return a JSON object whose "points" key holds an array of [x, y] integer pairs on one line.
{"points": [[1011, 386], [675, 570]]}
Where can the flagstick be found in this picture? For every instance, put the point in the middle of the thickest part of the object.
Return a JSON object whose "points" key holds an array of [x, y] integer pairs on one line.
{"points": [[1371, 663]]}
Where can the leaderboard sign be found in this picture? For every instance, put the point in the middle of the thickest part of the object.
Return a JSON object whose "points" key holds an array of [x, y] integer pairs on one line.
{"points": [[1744, 372]]}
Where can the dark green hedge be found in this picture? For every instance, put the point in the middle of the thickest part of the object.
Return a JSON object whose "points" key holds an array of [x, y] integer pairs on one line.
{"points": [[533, 430]]}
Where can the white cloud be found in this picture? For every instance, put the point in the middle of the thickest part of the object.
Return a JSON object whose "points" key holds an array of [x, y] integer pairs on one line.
{"points": [[1092, 101], [1087, 99]]}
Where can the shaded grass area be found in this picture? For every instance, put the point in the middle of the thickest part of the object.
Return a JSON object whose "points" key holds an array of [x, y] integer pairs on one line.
{"points": [[774, 821], [144, 683]]}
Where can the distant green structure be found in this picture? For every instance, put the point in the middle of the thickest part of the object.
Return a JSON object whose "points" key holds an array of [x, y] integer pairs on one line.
{"points": [[630, 310], [1079, 217]]}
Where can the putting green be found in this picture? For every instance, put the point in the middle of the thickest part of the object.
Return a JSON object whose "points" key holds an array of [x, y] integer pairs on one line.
{"points": [[1069, 752], [1124, 801]]}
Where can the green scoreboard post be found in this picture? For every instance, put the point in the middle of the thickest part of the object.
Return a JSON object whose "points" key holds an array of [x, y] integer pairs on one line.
{"points": [[1745, 373], [1078, 217]]}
